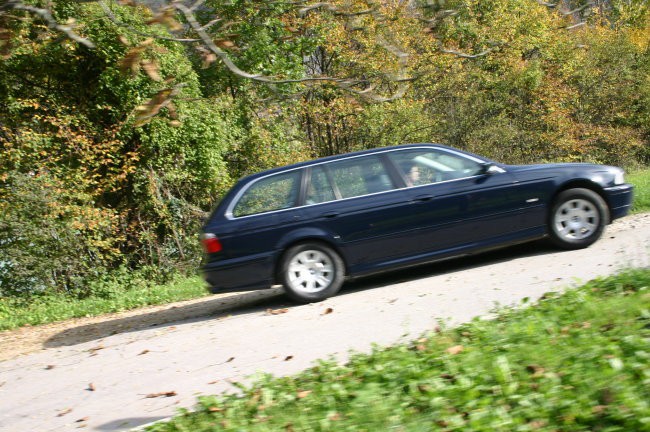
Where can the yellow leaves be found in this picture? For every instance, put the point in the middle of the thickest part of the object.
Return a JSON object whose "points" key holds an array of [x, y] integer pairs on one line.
{"points": [[640, 37], [133, 62], [167, 18], [145, 112], [303, 394], [207, 56], [456, 349], [225, 44]]}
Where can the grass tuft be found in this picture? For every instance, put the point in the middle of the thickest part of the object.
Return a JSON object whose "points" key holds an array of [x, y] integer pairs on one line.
{"points": [[17, 312], [641, 181]]}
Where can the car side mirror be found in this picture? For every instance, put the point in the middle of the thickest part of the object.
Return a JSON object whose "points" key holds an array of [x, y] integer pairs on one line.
{"points": [[490, 168]]}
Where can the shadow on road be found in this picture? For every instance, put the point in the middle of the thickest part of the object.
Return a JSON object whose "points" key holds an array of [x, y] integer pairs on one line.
{"points": [[259, 301], [210, 308], [132, 422]]}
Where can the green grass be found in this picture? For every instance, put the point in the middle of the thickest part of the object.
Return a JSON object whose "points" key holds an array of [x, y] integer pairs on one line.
{"points": [[573, 362], [49, 308], [641, 181]]}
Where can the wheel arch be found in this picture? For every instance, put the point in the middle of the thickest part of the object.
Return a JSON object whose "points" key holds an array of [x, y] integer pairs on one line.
{"points": [[306, 238], [583, 184]]}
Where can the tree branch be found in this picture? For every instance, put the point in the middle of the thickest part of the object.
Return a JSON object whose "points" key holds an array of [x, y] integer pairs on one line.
{"points": [[344, 83], [115, 20], [49, 19]]}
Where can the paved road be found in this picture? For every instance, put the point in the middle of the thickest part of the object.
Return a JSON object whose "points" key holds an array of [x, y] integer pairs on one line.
{"points": [[102, 384]]}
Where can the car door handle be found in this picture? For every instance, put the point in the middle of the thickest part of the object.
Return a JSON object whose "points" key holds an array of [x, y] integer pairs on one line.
{"points": [[330, 215], [422, 198]]}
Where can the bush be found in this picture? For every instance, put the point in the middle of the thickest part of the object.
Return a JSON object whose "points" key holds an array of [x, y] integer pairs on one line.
{"points": [[51, 237]]}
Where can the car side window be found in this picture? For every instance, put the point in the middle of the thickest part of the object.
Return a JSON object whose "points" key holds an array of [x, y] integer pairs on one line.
{"points": [[426, 166], [276, 192], [319, 190], [360, 176]]}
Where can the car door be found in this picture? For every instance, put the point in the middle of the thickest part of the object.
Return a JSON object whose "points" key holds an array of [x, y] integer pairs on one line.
{"points": [[262, 215], [456, 204], [364, 205]]}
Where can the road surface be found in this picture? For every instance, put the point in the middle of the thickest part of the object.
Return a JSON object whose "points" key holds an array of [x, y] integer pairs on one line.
{"points": [[103, 374]]}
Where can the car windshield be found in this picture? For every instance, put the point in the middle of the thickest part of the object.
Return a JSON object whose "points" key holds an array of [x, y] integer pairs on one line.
{"points": [[426, 166]]}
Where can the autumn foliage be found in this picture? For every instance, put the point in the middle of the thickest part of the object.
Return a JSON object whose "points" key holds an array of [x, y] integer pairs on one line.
{"points": [[112, 155]]}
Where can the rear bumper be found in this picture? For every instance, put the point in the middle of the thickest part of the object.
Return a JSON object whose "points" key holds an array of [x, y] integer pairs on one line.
{"points": [[240, 274], [619, 199]]}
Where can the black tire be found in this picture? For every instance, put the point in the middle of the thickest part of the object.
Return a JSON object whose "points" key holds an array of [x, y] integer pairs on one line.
{"points": [[577, 218], [311, 272]]}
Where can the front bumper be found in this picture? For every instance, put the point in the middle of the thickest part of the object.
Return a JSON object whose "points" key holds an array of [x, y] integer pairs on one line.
{"points": [[619, 199]]}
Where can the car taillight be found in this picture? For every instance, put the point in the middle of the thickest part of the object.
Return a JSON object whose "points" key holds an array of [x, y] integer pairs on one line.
{"points": [[211, 243]]}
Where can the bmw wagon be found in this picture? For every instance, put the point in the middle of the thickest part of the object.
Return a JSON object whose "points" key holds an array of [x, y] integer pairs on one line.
{"points": [[311, 225]]}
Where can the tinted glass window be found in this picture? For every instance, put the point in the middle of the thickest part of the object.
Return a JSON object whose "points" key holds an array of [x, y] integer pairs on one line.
{"points": [[426, 166], [320, 190], [272, 193], [360, 176]]}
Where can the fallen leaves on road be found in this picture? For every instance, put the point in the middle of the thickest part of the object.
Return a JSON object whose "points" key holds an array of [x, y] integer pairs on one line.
{"points": [[91, 387], [93, 351], [213, 382], [456, 349], [230, 359], [144, 352], [49, 367], [161, 394], [276, 311], [64, 412], [83, 419], [287, 358], [328, 311]]}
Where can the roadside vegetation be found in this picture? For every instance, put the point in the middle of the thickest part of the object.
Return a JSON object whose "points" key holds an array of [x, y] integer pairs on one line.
{"points": [[640, 178], [576, 361], [125, 290], [114, 296]]}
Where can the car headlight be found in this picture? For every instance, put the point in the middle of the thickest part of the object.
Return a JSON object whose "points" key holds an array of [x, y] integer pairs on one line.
{"points": [[619, 176]]}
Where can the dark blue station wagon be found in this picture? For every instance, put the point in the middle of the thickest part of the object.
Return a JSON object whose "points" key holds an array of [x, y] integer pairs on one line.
{"points": [[310, 225]]}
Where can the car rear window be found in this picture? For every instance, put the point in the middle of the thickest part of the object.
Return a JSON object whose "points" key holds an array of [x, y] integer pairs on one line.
{"points": [[320, 189], [276, 192]]}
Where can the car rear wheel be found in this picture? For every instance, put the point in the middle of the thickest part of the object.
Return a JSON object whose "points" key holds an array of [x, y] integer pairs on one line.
{"points": [[311, 272], [577, 218]]}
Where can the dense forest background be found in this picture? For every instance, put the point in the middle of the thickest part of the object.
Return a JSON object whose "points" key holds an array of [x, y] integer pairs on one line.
{"points": [[122, 122]]}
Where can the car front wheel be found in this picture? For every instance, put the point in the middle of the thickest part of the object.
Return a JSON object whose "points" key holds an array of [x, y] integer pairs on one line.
{"points": [[577, 218], [311, 272]]}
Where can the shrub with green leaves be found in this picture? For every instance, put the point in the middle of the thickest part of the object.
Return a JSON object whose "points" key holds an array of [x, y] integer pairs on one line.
{"points": [[51, 237]]}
